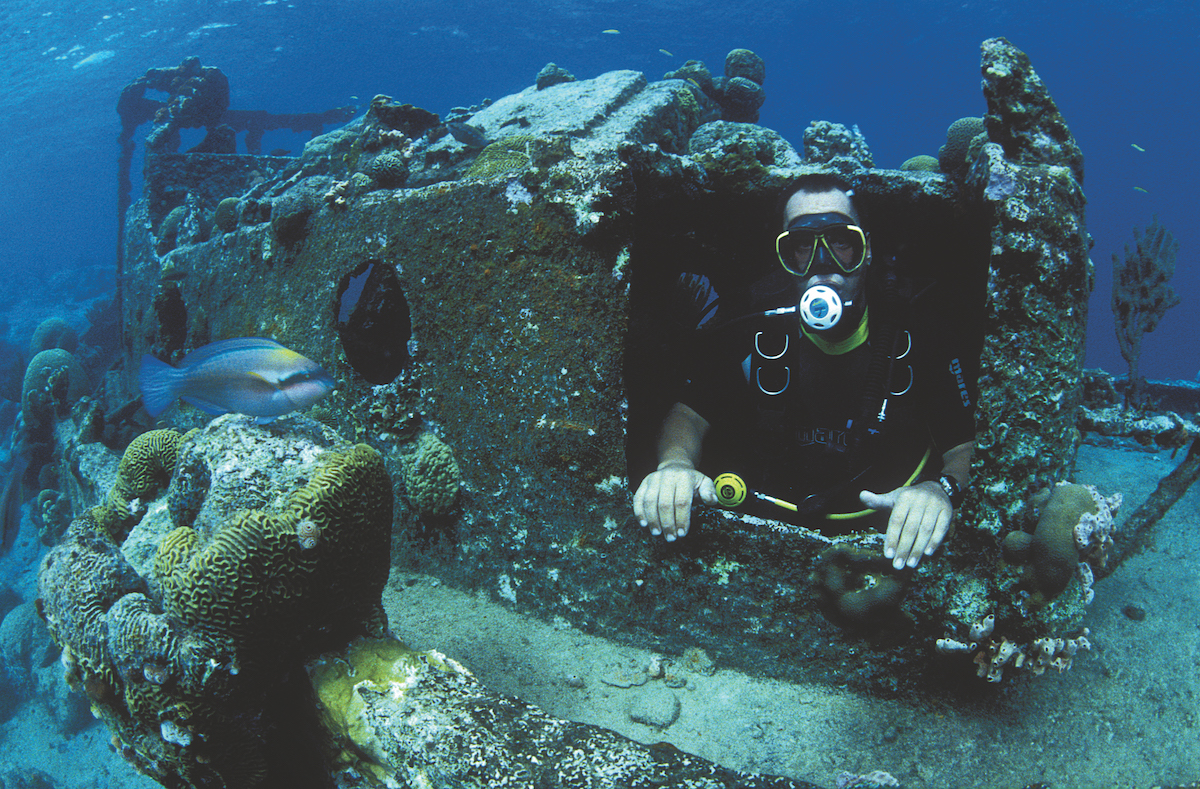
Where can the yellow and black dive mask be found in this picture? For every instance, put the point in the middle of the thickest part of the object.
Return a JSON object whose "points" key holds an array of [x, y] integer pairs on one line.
{"points": [[831, 237]]}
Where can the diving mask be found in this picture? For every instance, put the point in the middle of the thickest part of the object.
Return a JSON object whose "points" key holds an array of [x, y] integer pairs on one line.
{"points": [[830, 237]]}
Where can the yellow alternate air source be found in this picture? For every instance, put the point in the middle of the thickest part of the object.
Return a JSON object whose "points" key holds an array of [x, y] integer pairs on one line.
{"points": [[612, 31], [1137, 147]]}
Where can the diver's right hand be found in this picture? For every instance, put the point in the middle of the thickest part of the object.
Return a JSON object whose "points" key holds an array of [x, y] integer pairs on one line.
{"points": [[663, 502]]}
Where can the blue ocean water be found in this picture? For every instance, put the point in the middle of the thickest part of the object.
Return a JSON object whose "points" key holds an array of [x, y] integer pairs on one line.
{"points": [[1120, 73]]}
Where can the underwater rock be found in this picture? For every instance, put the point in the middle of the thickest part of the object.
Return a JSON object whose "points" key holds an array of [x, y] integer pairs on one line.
{"points": [[25, 646], [843, 149], [405, 118], [552, 74], [393, 714], [1022, 117], [373, 321]]}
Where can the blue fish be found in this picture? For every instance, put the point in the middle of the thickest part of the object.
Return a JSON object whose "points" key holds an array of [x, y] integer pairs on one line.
{"points": [[246, 375]]}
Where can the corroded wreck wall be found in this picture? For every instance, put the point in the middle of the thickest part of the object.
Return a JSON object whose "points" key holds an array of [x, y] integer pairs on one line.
{"points": [[537, 362]]}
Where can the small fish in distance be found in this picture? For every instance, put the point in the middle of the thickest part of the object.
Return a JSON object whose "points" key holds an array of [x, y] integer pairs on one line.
{"points": [[246, 375]]}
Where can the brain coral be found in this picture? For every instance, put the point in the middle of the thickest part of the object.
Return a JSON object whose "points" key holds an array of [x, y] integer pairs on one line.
{"points": [[389, 169], [744, 63], [431, 476], [145, 470], [952, 157], [920, 163], [53, 333], [502, 156], [193, 665], [226, 215], [53, 380]]}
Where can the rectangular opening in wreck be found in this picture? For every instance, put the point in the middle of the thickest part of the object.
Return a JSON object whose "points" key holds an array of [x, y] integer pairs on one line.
{"points": [[687, 248]]}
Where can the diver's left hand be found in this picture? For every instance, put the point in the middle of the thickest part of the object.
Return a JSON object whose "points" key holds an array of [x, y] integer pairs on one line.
{"points": [[920, 517]]}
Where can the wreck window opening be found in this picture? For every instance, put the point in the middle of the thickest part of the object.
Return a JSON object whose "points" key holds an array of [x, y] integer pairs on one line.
{"points": [[372, 321]]}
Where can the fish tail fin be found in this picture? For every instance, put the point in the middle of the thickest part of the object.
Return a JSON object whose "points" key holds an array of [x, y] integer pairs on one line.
{"points": [[157, 380]]}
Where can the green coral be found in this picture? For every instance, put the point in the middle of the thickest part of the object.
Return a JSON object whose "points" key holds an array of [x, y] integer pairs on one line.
{"points": [[431, 476], [502, 156], [252, 584], [53, 333], [145, 470], [858, 588], [225, 217], [53, 381], [177, 667], [920, 164], [1050, 554], [952, 157], [389, 169]]}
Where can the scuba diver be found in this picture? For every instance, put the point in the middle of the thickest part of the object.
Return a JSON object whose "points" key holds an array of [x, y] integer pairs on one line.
{"points": [[819, 410]]}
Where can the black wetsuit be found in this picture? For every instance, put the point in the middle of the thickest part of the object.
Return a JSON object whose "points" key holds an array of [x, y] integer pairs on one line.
{"points": [[799, 424]]}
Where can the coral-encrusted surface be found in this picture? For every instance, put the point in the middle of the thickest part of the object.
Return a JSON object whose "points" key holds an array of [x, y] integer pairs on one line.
{"points": [[188, 639], [418, 719]]}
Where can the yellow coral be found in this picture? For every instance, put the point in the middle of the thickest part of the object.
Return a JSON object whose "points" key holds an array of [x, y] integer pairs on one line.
{"points": [[382, 665], [174, 549], [922, 163], [145, 469], [502, 156]]}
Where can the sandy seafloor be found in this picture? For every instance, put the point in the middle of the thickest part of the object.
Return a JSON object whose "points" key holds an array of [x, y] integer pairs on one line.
{"points": [[1125, 715]]}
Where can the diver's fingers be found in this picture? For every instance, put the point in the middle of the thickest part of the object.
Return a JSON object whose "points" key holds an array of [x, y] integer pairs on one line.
{"points": [[683, 492], [901, 533], [877, 501], [707, 490], [940, 528]]}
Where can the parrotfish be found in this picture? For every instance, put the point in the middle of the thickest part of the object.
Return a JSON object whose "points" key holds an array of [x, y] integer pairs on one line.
{"points": [[246, 375], [468, 135]]}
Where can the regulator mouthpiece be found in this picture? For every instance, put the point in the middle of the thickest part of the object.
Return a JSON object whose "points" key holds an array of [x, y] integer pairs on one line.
{"points": [[821, 307]]}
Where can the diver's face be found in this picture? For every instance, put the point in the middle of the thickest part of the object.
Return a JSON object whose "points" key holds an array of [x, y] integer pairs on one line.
{"points": [[848, 286]]}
